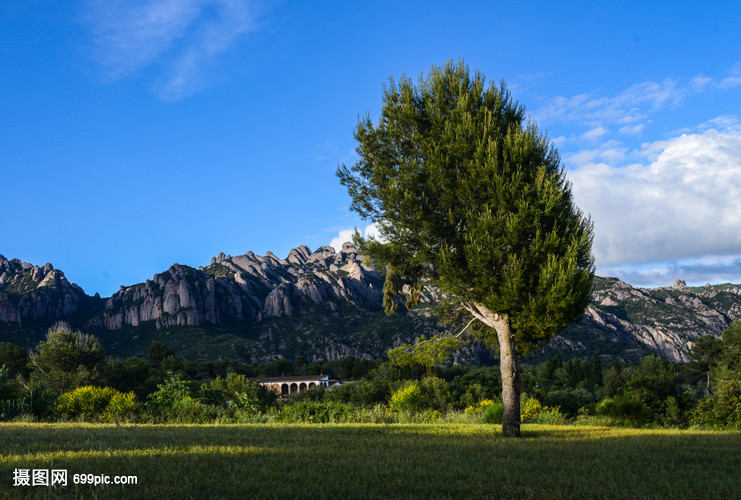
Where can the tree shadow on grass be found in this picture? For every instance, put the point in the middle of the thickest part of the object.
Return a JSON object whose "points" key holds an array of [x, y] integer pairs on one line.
{"points": [[377, 461]]}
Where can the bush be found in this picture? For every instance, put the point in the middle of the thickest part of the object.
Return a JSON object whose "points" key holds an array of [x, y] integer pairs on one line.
{"points": [[96, 403], [493, 414], [625, 409], [530, 410], [192, 411], [122, 406], [721, 410], [407, 398], [480, 407], [317, 412], [551, 416], [171, 391], [435, 394], [362, 392]]}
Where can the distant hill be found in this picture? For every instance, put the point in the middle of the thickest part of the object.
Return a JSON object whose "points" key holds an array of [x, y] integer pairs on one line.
{"points": [[326, 305]]}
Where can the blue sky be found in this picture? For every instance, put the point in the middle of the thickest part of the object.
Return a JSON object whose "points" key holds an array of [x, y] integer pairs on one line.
{"points": [[142, 133]]}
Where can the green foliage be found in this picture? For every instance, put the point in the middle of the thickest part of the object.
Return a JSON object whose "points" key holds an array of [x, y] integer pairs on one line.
{"points": [[471, 198], [316, 412], [246, 394], [530, 408], [14, 358], [96, 403], [65, 360], [159, 352], [721, 410], [8, 388], [407, 398], [625, 409], [551, 416], [122, 406], [173, 390], [435, 394], [653, 380], [429, 353], [493, 414]]}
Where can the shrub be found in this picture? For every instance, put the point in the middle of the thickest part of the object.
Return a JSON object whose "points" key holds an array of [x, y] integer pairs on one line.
{"points": [[192, 411], [625, 409], [317, 412], [551, 416], [721, 410], [171, 391], [122, 406], [493, 414], [480, 407], [362, 392], [530, 410], [406, 399], [96, 403], [435, 394]]}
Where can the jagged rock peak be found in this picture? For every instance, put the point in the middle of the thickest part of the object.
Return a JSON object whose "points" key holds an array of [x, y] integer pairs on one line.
{"points": [[299, 255], [679, 284]]}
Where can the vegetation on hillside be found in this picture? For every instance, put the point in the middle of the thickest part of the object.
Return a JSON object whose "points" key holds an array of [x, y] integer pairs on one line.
{"points": [[67, 378]]}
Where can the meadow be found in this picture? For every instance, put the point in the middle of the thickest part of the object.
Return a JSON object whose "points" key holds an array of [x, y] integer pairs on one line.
{"points": [[434, 460]]}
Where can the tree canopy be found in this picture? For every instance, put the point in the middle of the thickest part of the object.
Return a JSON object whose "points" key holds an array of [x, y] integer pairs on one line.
{"points": [[471, 197], [65, 360]]}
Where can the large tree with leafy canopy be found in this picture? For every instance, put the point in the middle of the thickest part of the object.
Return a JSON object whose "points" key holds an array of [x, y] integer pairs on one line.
{"points": [[471, 197]]}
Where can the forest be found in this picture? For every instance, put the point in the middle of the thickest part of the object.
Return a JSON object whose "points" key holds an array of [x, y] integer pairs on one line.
{"points": [[68, 377]]}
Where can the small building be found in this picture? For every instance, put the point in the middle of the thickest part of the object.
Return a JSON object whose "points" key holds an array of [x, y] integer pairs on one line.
{"points": [[298, 383]]}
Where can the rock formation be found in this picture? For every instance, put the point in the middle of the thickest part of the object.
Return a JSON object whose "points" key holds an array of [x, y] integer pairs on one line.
{"points": [[247, 288], [29, 293], [327, 304]]}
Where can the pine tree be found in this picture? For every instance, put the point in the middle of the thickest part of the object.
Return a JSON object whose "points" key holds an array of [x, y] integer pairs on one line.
{"points": [[472, 198]]}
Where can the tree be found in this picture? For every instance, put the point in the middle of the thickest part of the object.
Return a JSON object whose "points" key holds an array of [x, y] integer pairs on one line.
{"points": [[472, 198], [65, 360], [705, 354]]}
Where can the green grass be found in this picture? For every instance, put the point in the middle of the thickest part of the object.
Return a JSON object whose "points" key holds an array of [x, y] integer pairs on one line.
{"points": [[375, 461]]}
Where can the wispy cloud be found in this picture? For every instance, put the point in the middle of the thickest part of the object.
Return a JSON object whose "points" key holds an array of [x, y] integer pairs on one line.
{"points": [[180, 40], [628, 107], [628, 111]]}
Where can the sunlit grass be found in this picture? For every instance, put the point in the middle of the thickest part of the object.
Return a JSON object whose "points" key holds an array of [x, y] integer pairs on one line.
{"points": [[375, 461]]}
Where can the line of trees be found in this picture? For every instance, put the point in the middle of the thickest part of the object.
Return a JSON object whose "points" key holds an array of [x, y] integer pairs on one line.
{"points": [[68, 377]]}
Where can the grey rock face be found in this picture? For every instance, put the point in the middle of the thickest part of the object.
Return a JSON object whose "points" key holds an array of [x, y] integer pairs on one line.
{"points": [[664, 321], [247, 288], [29, 292]]}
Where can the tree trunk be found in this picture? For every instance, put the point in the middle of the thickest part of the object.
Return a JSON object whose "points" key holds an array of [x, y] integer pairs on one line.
{"points": [[510, 381], [507, 366]]}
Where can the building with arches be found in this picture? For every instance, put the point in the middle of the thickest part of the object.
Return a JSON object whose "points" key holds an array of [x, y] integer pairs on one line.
{"points": [[298, 383]]}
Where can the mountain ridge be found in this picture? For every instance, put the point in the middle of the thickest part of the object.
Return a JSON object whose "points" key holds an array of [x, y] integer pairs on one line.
{"points": [[322, 304]]}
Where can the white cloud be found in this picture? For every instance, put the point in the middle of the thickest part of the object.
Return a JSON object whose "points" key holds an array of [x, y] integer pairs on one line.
{"points": [[630, 106], [594, 134], [345, 235], [679, 201], [634, 130], [180, 39], [733, 79], [700, 83]]}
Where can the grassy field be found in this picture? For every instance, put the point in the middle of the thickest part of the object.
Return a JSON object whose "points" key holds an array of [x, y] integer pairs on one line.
{"points": [[374, 461]]}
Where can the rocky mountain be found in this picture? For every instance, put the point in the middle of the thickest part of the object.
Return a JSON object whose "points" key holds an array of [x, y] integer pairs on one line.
{"points": [[321, 304], [325, 305], [628, 322], [247, 288], [31, 294]]}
